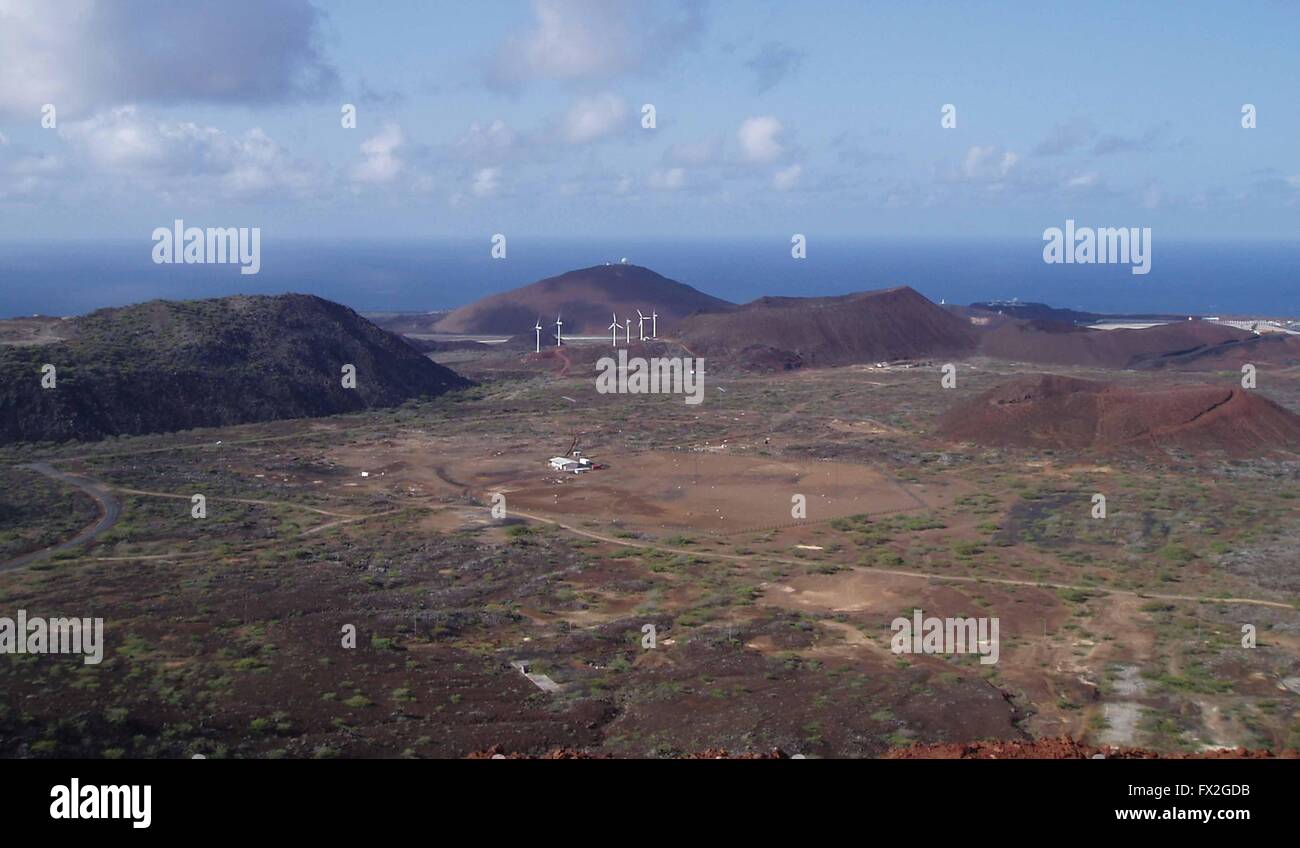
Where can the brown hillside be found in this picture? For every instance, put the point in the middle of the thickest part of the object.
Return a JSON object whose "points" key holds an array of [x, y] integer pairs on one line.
{"points": [[584, 299], [1050, 411], [875, 326], [1278, 350], [1056, 343]]}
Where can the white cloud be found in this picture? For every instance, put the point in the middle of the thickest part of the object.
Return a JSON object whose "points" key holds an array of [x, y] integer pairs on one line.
{"points": [[570, 40], [760, 139], [787, 178], [492, 141], [258, 164], [591, 118], [123, 144], [94, 54], [120, 140], [487, 181], [382, 163], [594, 39], [988, 163]]}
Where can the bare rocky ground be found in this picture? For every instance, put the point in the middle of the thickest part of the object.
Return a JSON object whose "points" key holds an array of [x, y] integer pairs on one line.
{"points": [[1063, 748], [225, 637], [1068, 749]]}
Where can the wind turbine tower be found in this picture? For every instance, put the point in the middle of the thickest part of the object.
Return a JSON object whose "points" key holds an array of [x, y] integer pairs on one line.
{"points": [[654, 324], [613, 332], [640, 324], [538, 328], [559, 331]]}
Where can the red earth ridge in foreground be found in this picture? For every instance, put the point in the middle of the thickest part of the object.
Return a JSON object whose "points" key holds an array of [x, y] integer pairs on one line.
{"points": [[1060, 748]]}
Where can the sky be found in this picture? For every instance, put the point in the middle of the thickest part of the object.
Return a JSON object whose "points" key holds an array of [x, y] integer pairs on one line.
{"points": [[525, 117]]}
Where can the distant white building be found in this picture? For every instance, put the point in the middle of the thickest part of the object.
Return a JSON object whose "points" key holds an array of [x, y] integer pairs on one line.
{"points": [[572, 466]]}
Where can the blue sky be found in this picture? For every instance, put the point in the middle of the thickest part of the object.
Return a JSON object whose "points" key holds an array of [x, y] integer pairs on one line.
{"points": [[523, 117]]}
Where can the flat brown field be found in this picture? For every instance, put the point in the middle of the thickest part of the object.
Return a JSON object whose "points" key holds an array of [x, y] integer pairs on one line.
{"points": [[710, 493]]}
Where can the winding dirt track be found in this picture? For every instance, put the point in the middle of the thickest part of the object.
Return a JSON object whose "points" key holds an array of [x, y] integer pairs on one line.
{"points": [[919, 575], [255, 501], [110, 509]]}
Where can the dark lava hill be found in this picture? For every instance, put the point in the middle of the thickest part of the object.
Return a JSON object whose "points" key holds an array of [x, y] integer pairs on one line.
{"points": [[174, 365]]}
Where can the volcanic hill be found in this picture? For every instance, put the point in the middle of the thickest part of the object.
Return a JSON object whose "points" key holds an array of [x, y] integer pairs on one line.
{"points": [[584, 300], [174, 365], [1059, 343], [1050, 411], [1276, 350], [790, 332]]}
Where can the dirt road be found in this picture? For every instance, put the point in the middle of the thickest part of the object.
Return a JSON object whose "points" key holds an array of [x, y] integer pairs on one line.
{"points": [[919, 575], [109, 511]]}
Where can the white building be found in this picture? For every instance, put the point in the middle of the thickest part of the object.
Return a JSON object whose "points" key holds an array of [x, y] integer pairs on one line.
{"points": [[572, 466]]}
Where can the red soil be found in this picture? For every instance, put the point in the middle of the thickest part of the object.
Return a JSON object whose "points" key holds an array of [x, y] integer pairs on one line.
{"points": [[1061, 748], [497, 752], [584, 299], [1062, 412], [875, 326], [1064, 748]]}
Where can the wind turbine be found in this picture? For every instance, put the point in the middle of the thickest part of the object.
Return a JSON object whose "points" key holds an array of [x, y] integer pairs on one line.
{"points": [[538, 328], [654, 324], [628, 331], [640, 324], [613, 331], [559, 332]]}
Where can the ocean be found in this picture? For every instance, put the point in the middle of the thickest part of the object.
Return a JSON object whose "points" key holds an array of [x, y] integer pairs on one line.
{"points": [[1210, 278]]}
